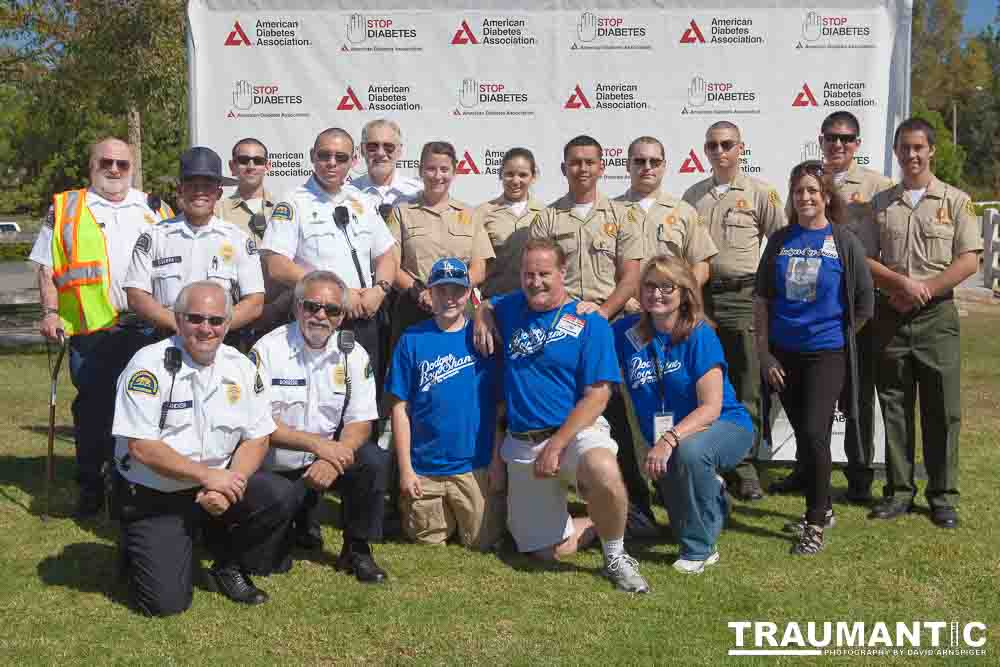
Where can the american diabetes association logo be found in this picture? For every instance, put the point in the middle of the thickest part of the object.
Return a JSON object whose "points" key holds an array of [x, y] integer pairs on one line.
{"points": [[610, 32], [842, 93], [265, 100], [720, 95], [607, 95], [489, 161], [481, 97], [379, 96], [824, 30], [494, 31], [267, 32], [732, 30], [379, 34]]}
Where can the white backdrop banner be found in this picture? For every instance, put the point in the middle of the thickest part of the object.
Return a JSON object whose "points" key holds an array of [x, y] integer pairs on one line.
{"points": [[488, 76]]}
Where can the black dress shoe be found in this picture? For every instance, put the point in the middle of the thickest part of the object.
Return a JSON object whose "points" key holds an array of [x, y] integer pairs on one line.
{"points": [[858, 493], [89, 503], [793, 483], [890, 509], [945, 517], [749, 490], [310, 538], [237, 586], [362, 566]]}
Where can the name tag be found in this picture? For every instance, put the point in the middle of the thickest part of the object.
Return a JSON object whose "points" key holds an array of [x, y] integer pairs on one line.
{"points": [[570, 325], [163, 261], [288, 382], [662, 422], [829, 247], [178, 405]]}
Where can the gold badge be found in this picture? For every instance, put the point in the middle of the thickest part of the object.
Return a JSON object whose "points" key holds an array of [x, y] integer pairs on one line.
{"points": [[358, 208], [631, 214], [741, 203], [339, 376], [943, 217], [464, 218], [970, 209], [774, 198], [856, 198], [232, 393], [149, 219], [671, 219], [226, 252], [611, 229]]}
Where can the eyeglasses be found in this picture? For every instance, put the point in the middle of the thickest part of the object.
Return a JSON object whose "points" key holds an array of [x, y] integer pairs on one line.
{"points": [[258, 160], [651, 162], [725, 146], [387, 148], [326, 156], [198, 318], [840, 138], [108, 163], [332, 310], [666, 289]]}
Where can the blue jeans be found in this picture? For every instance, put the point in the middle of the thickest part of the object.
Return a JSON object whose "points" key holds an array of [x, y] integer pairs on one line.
{"points": [[692, 492]]}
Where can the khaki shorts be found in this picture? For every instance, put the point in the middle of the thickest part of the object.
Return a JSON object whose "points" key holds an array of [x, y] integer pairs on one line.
{"points": [[537, 513], [454, 504]]}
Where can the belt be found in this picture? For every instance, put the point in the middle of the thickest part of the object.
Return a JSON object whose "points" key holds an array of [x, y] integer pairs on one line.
{"points": [[732, 284], [940, 298], [130, 320], [537, 436]]}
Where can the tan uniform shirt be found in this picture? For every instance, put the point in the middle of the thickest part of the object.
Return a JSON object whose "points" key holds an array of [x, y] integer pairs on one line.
{"points": [[595, 246], [427, 233], [921, 242], [857, 191], [233, 209], [670, 227], [508, 234], [737, 221]]}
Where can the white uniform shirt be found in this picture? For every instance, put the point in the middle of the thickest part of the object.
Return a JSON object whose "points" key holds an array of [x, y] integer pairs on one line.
{"points": [[401, 190], [122, 223], [210, 411], [302, 228], [173, 254], [307, 388]]}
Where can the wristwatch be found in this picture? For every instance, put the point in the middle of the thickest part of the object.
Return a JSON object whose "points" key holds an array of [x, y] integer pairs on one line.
{"points": [[49, 311], [385, 285]]}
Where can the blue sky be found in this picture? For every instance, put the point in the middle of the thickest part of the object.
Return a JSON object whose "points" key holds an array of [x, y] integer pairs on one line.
{"points": [[979, 15]]}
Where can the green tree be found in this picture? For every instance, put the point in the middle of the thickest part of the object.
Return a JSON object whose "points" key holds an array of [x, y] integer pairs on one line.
{"points": [[949, 159]]}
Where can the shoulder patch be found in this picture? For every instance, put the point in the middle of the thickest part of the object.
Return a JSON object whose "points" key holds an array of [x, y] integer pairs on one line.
{"points": [[970, 208], [254, 356], [50, 218], [774, 198], [143, 382], [251, 247], [144, 243], [282, 213]]}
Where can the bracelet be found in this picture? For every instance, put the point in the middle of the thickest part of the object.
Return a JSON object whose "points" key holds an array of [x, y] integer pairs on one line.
{"points": [[384, 286], [49, 311], [677, 438]]}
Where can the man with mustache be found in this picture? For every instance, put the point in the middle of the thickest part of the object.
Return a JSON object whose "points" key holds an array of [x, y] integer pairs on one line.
{"points": [[382, 147]]}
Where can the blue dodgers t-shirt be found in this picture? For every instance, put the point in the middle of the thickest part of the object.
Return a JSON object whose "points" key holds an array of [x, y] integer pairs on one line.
{"points": [[550, 357], [681, 365], [452, 393], [808, 309]]}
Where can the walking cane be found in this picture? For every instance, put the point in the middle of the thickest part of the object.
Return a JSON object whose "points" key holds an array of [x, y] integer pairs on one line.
{"points": [[50, 472]]}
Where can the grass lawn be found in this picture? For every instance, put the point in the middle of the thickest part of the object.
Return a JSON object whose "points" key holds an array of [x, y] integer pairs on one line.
{"points": [[60, 600]]}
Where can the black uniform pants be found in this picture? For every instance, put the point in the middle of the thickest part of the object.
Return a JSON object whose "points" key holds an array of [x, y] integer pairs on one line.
{"points": [[366, 333], [158, 529], [362, 490], [621, 432]]}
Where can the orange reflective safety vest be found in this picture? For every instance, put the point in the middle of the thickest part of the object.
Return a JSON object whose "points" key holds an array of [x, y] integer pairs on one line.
{"points": [[80, 266]]}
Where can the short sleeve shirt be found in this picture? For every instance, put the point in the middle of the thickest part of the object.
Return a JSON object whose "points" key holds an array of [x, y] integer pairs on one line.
{"points": [[596, 245], [401, 190], [681, 365], [427, 233], [508, 232], [737, 220], [922, 241], [235, 210], [173, 254], [670, 227], [434, 371], [302, 228], [308, 388], [858, 190], [209, 410]]}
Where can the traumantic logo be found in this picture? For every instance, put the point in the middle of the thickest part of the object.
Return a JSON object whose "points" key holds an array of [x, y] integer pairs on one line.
{"points": [[266, 100], [598, 32], [722, 30], [267, 32], [719, 97], [607, 95], [378, 34], [490, 98], [380, 97], [495, 31], [826, 31]]}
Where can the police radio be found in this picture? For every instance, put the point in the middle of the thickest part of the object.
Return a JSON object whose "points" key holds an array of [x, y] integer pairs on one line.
{"points": [[172, 362], [345, 343], [341, 218], [257, 224], [384, 210]]}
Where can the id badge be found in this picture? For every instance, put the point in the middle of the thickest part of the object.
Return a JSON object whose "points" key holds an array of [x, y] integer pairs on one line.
{"points": [[662, 422]]}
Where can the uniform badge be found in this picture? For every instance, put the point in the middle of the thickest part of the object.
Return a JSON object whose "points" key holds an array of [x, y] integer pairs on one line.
{"points": [[970, 209], [611, 229], [144, 243], [773, 197], [282, 213], [741, 203], [232, 393], [943, 217], [251, 247], [464, 218], [226, 252], [339, 377], [671, 219], [358, 208], [856, 198], [143, 382], [258, 385], [149, 218]]}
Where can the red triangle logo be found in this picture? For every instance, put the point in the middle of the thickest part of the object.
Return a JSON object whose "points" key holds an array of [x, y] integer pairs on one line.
{"points": [[237, 37], [805, 97], [350, 102], [692, 164], [467, 165], [577, 100], [464, 35], [693, 34]]}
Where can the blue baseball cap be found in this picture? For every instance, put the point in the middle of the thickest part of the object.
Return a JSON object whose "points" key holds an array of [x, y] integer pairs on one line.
{"points": [[449, 270]]}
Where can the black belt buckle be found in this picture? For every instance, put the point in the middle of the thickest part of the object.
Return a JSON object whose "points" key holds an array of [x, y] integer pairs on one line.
{"points": [[537, 436], [731, 284]]}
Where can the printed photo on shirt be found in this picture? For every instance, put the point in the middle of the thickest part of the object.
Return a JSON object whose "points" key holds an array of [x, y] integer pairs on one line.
{"points": [[801, 278]]}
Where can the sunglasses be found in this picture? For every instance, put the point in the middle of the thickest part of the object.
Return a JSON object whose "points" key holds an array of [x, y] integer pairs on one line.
{"points": [[198, 318], [725, 146], [666, 289], [811, 168], [326, 156], [840, 138], [387, 148], [331, 309], [108, 163], [651, 162], [258, 160]]}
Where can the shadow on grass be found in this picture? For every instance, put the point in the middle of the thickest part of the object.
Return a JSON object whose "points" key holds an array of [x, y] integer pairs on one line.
{"points": [[63, 432], [87, 567]]}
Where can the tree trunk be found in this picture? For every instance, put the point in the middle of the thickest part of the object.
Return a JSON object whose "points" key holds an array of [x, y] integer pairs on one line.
{"points": [[135, 140]]}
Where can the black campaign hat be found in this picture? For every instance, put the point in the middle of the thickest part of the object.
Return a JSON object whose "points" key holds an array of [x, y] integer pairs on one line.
{"points": [[203, 161]]}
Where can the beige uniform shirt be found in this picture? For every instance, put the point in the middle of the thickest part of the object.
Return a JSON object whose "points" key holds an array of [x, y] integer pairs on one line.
{"points": [[857, 191], [921, 242], [670, 227], [508, 233], [427, 233], [737, 221], [233, 209], [595, 246]]}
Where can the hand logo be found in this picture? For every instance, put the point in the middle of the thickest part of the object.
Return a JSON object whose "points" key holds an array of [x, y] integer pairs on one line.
{"points": [[696, 92], [243, 95], [812, 27], [811, 151], [356, 28], [468, 93], [586, 27]]}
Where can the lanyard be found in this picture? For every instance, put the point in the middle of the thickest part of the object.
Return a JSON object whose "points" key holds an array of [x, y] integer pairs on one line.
{"points": [[552, 326], [660, 374]]}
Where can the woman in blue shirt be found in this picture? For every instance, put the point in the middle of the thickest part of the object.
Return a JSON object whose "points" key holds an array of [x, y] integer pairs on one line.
{"points": [[814, 291], [680, 399]]}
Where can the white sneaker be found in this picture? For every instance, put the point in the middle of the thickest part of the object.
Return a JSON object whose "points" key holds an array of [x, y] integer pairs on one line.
{"points": [[685, 566], [623, 571]]}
